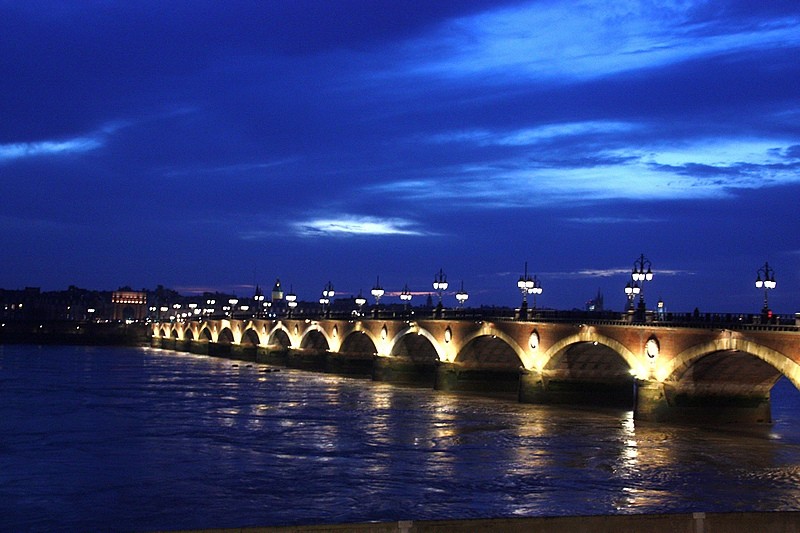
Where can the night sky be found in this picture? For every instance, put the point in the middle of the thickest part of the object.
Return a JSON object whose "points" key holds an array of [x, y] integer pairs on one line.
{"points": [[216, 145]]}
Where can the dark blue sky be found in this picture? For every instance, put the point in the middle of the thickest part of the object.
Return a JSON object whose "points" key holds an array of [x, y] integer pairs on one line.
{"points": [[213, 145]]}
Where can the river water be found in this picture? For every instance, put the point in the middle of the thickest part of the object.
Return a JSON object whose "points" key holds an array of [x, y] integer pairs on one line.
{"points": [[131, 439]]}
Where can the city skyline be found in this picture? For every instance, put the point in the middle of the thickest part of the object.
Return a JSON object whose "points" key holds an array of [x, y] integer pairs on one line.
{"points": [[211, 147]]}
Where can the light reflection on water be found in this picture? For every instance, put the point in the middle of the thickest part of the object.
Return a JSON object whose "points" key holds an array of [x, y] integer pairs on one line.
{"points": [[93, 438]]}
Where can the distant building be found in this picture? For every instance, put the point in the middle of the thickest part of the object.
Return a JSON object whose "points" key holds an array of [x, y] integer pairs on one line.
{"points": [[596, 303], [129, 304], [277, 292]]}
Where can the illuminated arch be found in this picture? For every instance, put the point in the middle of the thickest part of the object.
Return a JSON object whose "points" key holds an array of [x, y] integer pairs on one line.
{"points": [[493, 333], [251, 337], [680, 364], [310, 338], [399, 343], [587, 335], [188, 334], [225, 336], [205, 334], [359, 341], [280, 336]]}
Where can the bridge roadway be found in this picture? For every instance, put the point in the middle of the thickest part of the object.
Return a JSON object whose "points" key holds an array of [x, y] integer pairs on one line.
{"points": [[664, 371]]}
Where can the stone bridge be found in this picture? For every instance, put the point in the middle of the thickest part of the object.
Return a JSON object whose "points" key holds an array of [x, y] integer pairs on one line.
{"points": [[661, 371]]}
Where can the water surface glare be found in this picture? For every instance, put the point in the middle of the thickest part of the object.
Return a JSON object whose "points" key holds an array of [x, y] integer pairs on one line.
{"points": [[138, 439]]}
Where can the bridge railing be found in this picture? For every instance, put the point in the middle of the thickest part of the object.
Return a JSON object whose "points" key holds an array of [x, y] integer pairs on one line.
{"points": [[738, 321]]}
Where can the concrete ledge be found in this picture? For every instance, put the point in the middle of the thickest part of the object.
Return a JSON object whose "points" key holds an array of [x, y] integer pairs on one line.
{"points": [[777, 522]]}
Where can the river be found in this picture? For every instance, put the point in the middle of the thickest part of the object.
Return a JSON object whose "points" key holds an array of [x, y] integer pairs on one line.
{"points": [[137, 439]]}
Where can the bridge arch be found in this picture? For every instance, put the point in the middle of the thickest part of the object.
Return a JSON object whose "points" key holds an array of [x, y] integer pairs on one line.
{"points": [[560, 349], [250, 337], [315, 338], [417, 344], [205, 334], [722, 354], [280, 336], [492, 348], [359, 342], [225, 336], [188, 334]]}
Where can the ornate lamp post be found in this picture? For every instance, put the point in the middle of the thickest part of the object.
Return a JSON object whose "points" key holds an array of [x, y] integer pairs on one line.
{"points": [[377, 291], [462, 296], [640, 275], [440, 285], [233, 302], [525, 286], [537, 289], [325, 301], [291, 301], [258, 300], [405, 297], [767, 283], [631, 290], [528, 285], [360, 301]]}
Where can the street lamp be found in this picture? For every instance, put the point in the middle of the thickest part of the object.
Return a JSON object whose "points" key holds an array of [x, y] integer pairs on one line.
{"points": [[631, 290], [327, 294], [291, 301], [377, 291], [640, 275], [462, 296], [767, 283], [537, 289], [439, 285], [258, 300], [233, 302], [405, 297], [360, 301], [525, 286]]}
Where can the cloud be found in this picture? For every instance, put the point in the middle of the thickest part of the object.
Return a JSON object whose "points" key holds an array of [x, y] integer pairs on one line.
{"points": [[347, 226], [13, 151], [593, 39], [63, 147], [232, 169], [610, 273], [616, 220], [534, 135], [602, 170], [352, 226]]}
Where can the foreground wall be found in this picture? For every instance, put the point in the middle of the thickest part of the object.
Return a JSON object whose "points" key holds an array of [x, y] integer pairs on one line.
{"points": [[778, 522]]}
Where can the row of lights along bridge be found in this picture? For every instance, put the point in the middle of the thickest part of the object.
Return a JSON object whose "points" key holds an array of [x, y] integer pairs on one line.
{"points": [[527, 285]]}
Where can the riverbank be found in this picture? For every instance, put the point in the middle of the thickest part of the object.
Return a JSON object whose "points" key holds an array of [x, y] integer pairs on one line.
{"points": [[775, 522], [72, 333]]}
